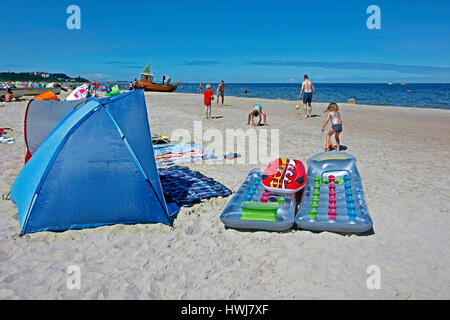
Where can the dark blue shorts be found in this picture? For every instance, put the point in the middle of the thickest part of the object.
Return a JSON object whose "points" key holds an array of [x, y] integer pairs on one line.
{"points": [[307, 97], [337, 127]]}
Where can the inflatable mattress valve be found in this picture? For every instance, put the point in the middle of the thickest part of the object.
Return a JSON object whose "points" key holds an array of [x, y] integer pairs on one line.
{"points": [[316, 194], [332, 199], [313, 213], [332, 211], [351, 212]]}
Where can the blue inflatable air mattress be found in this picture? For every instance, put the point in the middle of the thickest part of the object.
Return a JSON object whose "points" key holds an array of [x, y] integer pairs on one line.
{"points": [[333, 199], [252, 207]]}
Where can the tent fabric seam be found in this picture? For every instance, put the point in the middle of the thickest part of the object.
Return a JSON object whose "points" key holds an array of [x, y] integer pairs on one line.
{"points": [[136, 160], [29, 213]]}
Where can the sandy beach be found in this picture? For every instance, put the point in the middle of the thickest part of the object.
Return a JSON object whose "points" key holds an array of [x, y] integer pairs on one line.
{"points": [[403, 158]]}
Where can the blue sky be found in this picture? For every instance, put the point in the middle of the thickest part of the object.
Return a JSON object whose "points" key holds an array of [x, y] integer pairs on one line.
{"points": [[237, 41]]}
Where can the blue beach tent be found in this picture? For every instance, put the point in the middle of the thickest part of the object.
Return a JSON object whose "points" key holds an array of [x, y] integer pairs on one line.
{"points": [[95, 168]]}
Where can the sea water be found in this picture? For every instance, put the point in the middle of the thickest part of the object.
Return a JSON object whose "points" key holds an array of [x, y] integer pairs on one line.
{"points": [[421, 95]]}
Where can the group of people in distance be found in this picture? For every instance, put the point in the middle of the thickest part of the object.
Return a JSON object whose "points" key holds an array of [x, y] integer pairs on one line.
{"points": [[307, 93]]}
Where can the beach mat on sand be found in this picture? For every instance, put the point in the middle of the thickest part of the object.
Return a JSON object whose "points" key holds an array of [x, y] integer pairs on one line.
{"points": [[182, 153], [186, 187]]}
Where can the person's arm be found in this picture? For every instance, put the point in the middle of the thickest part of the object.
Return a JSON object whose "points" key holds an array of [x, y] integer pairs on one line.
{"points": [[301, 91], [264, 116], [314, 90], [249, 116], [326, 121]]}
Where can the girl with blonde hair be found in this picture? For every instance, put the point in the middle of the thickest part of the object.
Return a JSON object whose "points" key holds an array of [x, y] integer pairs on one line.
{"points": [[336, 125]]}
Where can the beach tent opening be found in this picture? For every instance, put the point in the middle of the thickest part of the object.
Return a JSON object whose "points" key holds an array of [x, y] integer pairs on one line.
{"points": [[95, 168], [40, 119]]}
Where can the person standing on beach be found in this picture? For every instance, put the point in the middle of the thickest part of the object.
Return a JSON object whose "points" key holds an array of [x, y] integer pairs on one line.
{"points": [[200, 87], [95, 85], [307, 90], [207, 97], [135, 84], [220, 91]]}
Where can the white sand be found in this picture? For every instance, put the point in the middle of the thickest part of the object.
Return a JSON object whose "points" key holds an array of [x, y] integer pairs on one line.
{"points": [[403, 158]]}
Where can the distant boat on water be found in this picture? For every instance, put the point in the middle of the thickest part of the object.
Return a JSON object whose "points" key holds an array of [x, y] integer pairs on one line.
{"points": [[147, 84]]}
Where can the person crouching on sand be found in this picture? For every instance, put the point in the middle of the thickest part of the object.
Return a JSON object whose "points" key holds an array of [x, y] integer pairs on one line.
{"points": [[336, 125], [9, 96], [208, 96], [257, 111]]}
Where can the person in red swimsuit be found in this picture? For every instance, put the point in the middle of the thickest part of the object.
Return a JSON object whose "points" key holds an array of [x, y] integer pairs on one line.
{"points": [[208, 96]]}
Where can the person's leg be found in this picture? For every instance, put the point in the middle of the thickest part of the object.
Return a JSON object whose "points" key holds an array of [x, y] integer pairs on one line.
{"points": [[310, 108], [209, 111], [327, 141], [206, 111], [223, 97], [338, 141]]}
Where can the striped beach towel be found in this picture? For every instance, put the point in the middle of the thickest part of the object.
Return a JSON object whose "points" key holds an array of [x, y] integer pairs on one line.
{"points": [[183, 152]]}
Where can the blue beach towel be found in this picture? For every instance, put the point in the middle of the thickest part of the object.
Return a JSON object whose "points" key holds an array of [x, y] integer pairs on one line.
{"points": [[186, 187]]}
